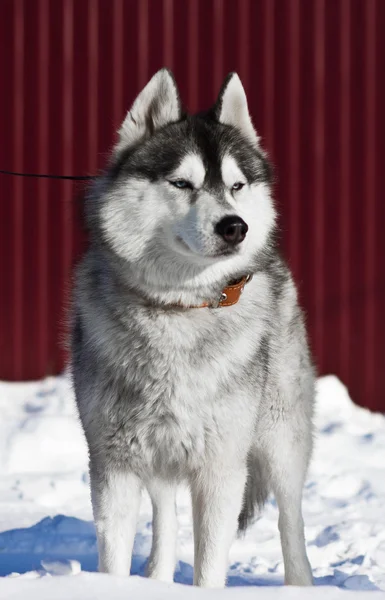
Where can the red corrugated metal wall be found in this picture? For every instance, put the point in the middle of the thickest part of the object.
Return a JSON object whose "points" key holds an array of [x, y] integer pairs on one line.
{"points": [[314, 74]]}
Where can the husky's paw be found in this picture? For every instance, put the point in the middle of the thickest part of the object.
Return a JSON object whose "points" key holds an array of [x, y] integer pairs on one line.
{"points": [[165, 574], [301, 579]]}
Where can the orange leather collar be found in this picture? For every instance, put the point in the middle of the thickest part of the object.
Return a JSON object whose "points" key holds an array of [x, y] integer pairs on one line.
{"points": [[229, 295]]}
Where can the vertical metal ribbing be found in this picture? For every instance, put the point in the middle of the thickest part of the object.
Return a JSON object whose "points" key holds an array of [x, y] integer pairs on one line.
{"points": [[269, 71], [193, 32], [143, 74], [168, 33], [293, 149], [218, 46], [345, 191], [202, 18], [18, 133], [42, 205], [4, 281], [319, 175], [66, 199], [370, 195], [117, 53], [244, 42], [93, 91]]}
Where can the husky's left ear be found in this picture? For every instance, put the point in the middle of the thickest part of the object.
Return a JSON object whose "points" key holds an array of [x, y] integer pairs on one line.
{"points": [[157, 105], [231, 107]]}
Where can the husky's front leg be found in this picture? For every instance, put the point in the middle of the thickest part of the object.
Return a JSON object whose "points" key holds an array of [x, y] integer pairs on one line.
{"points": [[217, 499], [115, 503], [287, 458], [161, 564]]}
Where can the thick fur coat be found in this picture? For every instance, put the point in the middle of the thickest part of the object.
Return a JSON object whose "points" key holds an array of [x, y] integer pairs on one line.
{"points": [[167, 391]]}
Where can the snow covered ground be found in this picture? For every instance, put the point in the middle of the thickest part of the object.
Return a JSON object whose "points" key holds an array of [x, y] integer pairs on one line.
{"points": [[47, 539]]}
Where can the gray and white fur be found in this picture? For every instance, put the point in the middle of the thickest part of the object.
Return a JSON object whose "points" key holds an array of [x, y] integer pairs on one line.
{"points": [[167, 391]]}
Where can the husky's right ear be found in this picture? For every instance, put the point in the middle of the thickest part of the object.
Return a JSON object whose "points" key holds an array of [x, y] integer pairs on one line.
{"points": [[157, 105]]}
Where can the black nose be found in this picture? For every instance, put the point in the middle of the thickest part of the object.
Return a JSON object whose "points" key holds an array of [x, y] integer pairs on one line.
{"points": [[233, 229]]}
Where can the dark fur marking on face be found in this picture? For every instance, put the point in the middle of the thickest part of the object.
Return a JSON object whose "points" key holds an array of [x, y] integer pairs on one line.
{"points": [[157, 156]]}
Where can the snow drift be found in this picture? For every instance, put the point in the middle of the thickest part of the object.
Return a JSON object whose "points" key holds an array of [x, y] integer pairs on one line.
{"points": [[47, 538]]}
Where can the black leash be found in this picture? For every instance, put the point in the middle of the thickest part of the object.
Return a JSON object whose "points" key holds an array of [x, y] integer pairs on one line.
{"points": [[44, 176]]}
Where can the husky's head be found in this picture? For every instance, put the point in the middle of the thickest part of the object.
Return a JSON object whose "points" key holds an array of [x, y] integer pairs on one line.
{"points": [[186, 200]]}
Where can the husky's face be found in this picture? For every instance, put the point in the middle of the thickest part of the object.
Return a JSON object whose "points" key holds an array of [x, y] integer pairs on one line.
{"points": [[191, 191]]}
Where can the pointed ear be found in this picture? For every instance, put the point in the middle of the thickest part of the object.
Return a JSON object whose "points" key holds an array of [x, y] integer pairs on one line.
{"points": [[231, 107], [157, 105]]}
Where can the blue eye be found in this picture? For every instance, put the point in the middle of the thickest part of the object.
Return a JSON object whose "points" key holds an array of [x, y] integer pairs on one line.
{"points": [[181, 184], [237, 186]]}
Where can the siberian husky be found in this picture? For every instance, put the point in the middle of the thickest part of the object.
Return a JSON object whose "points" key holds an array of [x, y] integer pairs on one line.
{"points": [[190, 355]]}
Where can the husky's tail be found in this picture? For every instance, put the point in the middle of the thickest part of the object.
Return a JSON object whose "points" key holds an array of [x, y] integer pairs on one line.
{"points": [[255, 494]]}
